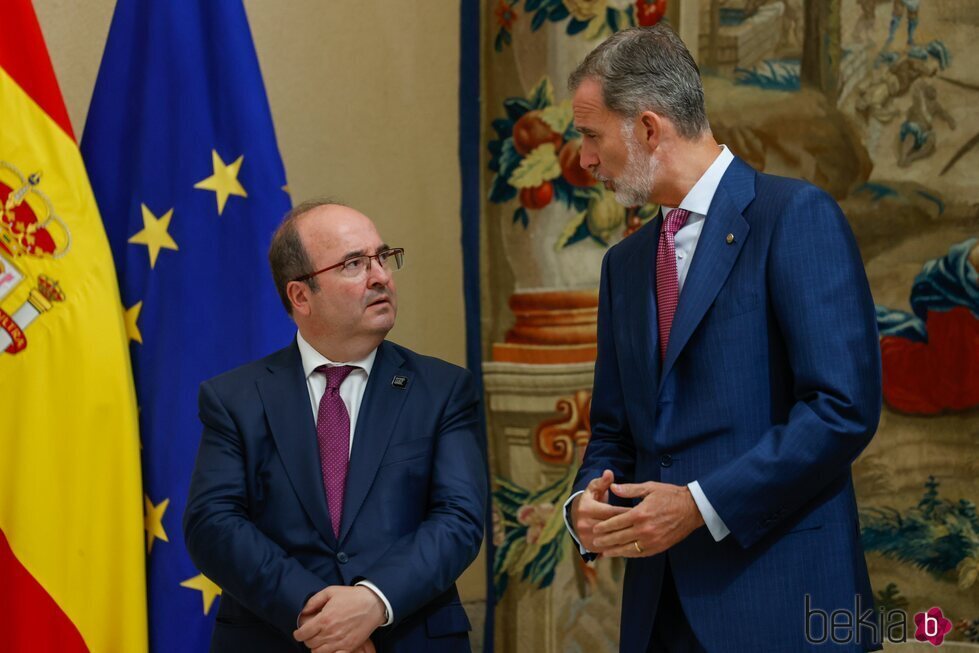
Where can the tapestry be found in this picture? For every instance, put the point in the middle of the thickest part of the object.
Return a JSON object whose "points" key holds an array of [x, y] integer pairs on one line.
{"points": [[873, 101]]}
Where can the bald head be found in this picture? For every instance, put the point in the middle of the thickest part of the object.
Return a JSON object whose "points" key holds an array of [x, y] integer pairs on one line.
{"points": [[330, 233]]}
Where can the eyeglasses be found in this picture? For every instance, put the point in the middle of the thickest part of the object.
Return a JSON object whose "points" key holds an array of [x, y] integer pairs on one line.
{"points": [[356, 266]]}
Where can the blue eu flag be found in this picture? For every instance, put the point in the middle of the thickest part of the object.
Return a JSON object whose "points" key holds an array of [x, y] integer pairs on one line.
{"points": [[183, 160]]}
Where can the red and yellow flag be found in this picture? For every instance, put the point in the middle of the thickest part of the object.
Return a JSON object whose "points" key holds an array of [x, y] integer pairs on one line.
{"points": [[72, 574]]}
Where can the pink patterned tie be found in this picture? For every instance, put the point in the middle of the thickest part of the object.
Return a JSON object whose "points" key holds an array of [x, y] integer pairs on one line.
{"points": [[333, 435], [667, 284]]}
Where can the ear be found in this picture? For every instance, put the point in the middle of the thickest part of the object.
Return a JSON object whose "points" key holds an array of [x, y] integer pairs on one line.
{"points": [[650, 129], [298, 293]]}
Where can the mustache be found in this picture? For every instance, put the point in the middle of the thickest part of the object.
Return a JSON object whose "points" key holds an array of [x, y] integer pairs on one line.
{"points": [[597, 175]]}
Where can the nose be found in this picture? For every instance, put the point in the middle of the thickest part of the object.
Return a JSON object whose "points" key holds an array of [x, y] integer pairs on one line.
{"points": [[587, 156], [377, 274]]}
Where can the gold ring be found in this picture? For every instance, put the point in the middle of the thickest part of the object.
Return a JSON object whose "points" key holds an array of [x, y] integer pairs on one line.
{"points": [[635, 543]]}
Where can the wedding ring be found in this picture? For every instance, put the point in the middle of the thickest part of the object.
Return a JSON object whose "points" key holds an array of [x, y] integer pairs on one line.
{"points": [[635, 543]]}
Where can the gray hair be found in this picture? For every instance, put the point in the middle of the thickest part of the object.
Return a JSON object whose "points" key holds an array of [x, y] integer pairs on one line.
{"points": [[648, 69], [288, 258]]}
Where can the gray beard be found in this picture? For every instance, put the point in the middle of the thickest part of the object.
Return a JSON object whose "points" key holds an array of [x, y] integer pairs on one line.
{"points": [[634, 186]]}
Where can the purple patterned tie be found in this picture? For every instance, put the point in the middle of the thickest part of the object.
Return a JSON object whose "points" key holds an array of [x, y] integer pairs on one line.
{"points": [[333, 435], [667, 284]]}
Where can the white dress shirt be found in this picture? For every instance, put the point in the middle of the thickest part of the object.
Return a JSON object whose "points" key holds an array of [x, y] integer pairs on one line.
{"points": [[698, 202], [352, 393], [351, 390]]}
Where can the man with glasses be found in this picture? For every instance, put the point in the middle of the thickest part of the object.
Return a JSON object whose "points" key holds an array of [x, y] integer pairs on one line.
{"points": [[339, 489]]}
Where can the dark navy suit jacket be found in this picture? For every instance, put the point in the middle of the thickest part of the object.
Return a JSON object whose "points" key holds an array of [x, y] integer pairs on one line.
{"points": [[770, 388], [257, 522]]}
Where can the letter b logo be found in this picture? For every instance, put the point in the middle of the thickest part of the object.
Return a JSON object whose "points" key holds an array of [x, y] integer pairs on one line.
{"points": [[932, 626]]}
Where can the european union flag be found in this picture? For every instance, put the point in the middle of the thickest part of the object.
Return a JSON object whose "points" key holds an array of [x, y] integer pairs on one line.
{"points": [[183, 160]]}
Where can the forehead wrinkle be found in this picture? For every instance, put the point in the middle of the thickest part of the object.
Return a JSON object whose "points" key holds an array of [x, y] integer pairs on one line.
{"points": [[592, 117]]}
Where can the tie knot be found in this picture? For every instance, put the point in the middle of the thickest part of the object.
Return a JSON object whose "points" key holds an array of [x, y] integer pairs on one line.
{"points": [[675, 220], [335, 374]]}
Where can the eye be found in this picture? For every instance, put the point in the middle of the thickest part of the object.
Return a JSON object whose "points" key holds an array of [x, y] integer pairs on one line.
{"points": [[382, 257], [353, 264]]}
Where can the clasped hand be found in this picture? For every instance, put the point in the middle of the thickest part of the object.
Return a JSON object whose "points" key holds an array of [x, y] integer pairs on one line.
{"points": [[340, 619], [665, 516]]}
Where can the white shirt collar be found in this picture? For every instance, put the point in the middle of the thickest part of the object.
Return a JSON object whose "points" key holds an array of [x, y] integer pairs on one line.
{"points": [[313, 359], [702, 194]]}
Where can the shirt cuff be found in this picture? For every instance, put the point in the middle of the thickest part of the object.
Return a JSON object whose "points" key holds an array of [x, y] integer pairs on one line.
{"points": [[388, 612], [718, 529], [567, 522]]}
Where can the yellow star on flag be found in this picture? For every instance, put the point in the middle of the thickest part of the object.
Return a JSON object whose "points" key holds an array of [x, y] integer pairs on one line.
{"points": [[209, 591], [224, 181], [153, 521], [154, 234], [131, 316]]}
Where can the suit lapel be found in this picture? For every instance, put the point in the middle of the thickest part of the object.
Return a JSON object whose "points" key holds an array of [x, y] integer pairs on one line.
{"points": [[714, 257], [378, 415], [286, 399]]}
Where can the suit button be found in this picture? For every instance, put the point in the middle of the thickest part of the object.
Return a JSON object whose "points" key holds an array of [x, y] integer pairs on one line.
{"points": [[666, 460], [342, 557]]}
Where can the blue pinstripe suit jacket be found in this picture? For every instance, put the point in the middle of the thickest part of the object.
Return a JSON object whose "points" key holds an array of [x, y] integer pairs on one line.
{"points": [[770, 388]]}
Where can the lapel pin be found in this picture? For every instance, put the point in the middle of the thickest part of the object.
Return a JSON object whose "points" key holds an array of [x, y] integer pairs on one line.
{"points": [[400, 382], [730, 239]]}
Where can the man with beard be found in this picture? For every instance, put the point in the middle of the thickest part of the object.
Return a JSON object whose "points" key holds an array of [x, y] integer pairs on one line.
{"points": [[339, 488], [738, 376]]}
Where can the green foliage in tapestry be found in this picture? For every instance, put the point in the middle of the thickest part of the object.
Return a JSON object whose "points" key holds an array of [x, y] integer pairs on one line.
{"points": [[937, 535], [890, 598], [528, 532]]}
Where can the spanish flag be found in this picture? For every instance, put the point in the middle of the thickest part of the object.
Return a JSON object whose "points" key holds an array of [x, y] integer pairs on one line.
{"points": [[72, 572]]}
